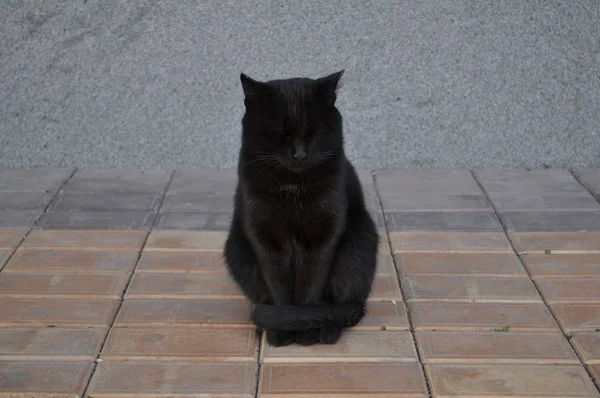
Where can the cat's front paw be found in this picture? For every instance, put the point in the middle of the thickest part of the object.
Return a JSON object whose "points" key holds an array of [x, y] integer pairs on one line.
{"points": [[280, 338], [308, 337], [330, 335]]}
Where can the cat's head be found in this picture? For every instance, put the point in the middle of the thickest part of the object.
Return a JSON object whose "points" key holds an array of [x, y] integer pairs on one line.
{"points": [[292, 123]]}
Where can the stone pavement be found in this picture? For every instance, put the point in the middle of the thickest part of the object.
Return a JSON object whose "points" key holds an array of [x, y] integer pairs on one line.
{"points": [[112, 285]]}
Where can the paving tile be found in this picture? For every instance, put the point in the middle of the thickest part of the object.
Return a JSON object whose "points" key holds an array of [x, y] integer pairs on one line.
{"points": [[588, 346], [40, 239], [469, 289], [184, 313], [10, 238], [442, 181], [384, 245], [193, 202], [564, 381], [60, 313], [386, 287], [44, 379], [194, 221], [423, 202], [443, 221], [4, 255], [18, 218], [353, 346], [557, 242], [182, 286], [481, 316], [499, 265], [203, 181], [189, 379], [545, 203], [570, 290], [71, 261], [183, 262], [24, 200], [113, 180], [97, 220], [590, 178], [495, 347], [577, 316], [562, 265], [388, 315], [106, 201], [449, 242], [32, 180], [595, 372], [239, 345], [559, 221], [510, 182], [182, 240], [50, 343], [385, 265], [347, 380], [62, 285]]}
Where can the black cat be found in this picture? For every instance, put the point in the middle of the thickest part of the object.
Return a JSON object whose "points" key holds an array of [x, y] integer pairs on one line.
{"points": [[301, 246]]}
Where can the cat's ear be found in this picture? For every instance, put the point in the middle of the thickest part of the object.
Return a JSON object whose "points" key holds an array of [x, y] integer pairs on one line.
{"points": [[328, 86], [253, 89]]}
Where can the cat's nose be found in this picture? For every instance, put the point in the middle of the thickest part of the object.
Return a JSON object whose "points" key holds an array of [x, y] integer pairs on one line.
{"points": [[300, 154]]}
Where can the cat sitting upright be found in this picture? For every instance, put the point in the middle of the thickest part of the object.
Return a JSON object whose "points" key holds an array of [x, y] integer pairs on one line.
{"points": [[301, 245]]}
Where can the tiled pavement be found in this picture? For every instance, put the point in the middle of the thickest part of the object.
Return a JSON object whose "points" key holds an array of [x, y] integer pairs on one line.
{"points": [[112, 285]]}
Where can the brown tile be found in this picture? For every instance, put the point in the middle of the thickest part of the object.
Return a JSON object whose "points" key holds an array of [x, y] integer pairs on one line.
{"points": [[562, 265], [481, 316], [390, 315], [384, 245], [10, 238], [495, 347], [72, 261], [59, 313], [190, 286], [44, 379], [166, 378], [240, 345], [40, 239], [469, 289], [182, 262], [433, 181], [385, 265], [386, 287], [62, 285], [578, 317], [588, 346], [353, 346], [184, 313], [595, 372], [186, 240], [443, 221], [4, 255], [519, 381], [557, 242], [388, 380], [482, 264], [570, 290], [50, 343], [397, 202], [449, 242]]}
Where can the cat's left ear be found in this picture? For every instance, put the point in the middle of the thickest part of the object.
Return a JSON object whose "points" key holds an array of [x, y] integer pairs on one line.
{"points": [[328, 86], [253, 89]]}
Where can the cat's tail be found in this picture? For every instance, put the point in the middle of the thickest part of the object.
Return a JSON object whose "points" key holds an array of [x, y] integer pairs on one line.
{"points": [[305, 317]]}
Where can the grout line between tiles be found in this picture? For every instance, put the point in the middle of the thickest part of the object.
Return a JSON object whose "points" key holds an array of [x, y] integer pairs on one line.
{"points": [[539, 293], [55, 196], [162, 199], [596, 197], [404, 299]]}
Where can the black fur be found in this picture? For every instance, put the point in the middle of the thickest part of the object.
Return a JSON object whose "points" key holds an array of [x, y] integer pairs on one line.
{"points": [[301, 246]]}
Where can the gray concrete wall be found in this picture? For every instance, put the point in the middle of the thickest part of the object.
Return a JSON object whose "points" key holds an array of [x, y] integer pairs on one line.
{"points": [[107, 83]]}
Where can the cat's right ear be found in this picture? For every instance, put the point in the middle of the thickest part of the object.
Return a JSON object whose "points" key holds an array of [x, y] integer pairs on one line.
{"points": [[253, 90]]}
